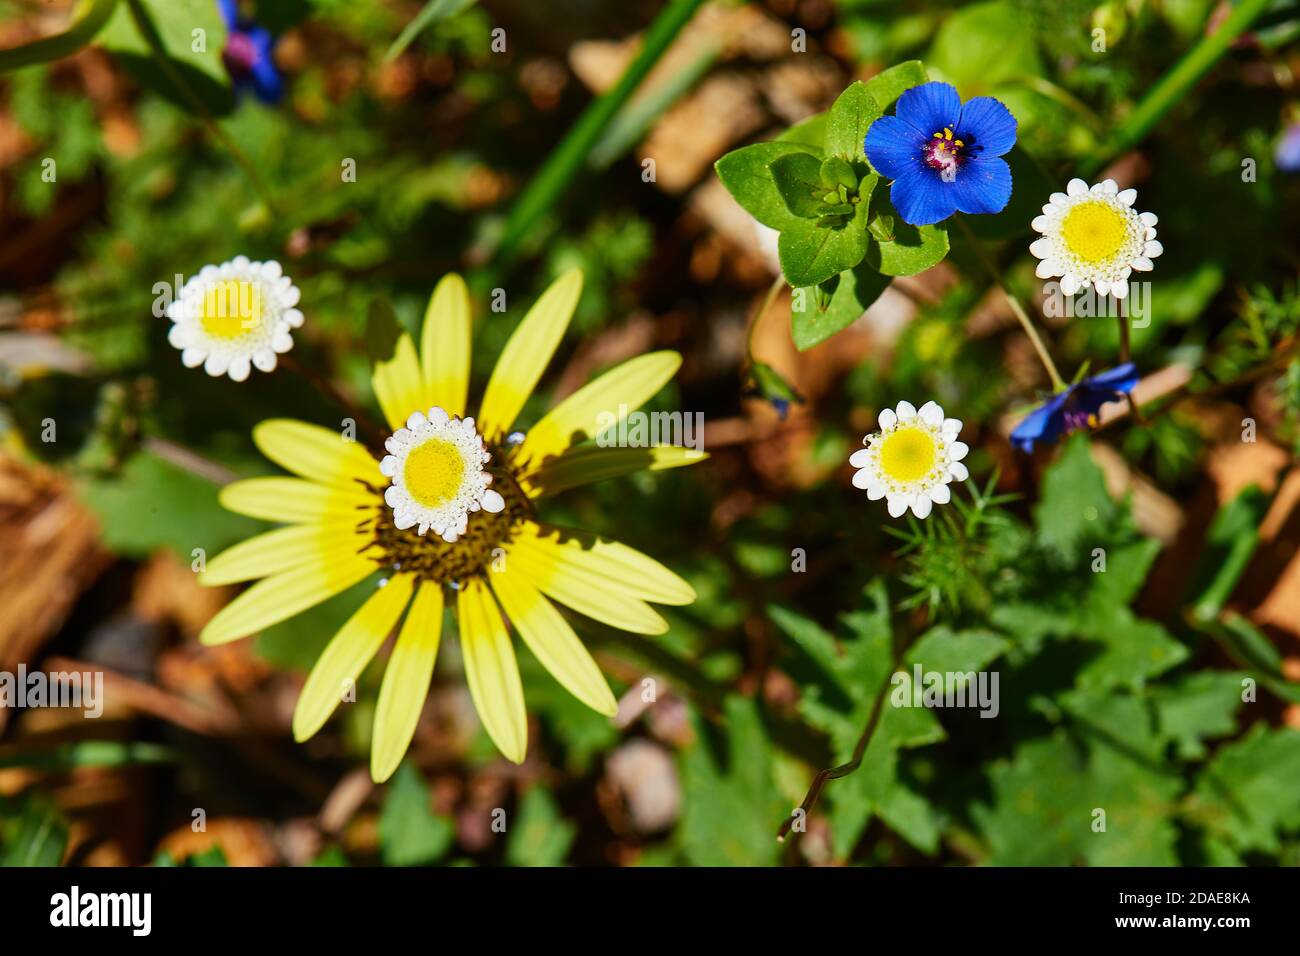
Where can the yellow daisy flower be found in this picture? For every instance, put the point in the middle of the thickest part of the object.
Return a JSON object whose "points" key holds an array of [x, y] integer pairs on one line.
{"points": [[350, 514]]}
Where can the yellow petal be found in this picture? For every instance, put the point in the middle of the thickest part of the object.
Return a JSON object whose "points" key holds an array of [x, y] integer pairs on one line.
{"points": [[293, 500], [283, 549], [398, 384], [311, 451], [445, 346], [591, 463], [347, 654], [527, 353], [599, 404], [491, 671], [611, 605], [604, 563], [281, 596], [549, 636], [406, 681]]}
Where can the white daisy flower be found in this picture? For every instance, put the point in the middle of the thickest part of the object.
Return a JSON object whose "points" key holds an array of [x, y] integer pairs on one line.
{"points": [[911, 460], [1093, 236], [436, 467], [231, 317]]}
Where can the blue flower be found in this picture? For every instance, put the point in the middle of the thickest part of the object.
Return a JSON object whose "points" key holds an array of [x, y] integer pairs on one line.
{"points": [[1074, 408], [943, 156], [1287, 153], [248, 54]]}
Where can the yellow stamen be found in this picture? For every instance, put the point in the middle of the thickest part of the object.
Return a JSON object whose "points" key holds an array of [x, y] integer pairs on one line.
{"points": [[232, 308], [434, 472], [907, 454], [1094, 231]]}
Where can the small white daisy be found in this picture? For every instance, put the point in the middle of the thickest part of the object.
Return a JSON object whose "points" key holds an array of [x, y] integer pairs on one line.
{"points": [[231, 317], [911, 460], [436, 467], [1093, 236]]}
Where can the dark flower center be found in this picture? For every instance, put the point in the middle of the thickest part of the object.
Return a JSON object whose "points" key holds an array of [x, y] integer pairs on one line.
{"points": [[946, 152], [431, 558]]}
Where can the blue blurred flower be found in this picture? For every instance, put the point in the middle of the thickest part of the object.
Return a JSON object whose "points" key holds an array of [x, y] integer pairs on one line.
{"points": [[1074, 408], [1287, 152], [943, 156], [248, 54]]}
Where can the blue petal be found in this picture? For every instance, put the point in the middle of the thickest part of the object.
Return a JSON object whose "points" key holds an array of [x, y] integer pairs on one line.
{"points": [[1121, 378], [266, 81], [982, 186], [229, 12], [922, 198], [989, 123], [930, 107], [893, 147], [1043, 424]]}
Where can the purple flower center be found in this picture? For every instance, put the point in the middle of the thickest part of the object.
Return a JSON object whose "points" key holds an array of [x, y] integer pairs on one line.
{"points": [[946, 152], [241, 52]]}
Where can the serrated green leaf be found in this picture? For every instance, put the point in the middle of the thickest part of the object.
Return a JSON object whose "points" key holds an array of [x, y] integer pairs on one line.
{"points": [[1074, 508], [1247, 794], [539, 836], [410, 833]]}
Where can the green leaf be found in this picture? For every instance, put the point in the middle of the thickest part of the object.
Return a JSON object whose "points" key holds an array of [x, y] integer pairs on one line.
{"points": [[1074, 507], [982, 45], [154, 504], [176, 27], [809, 132], [851, 293], [1229, 546], [812, 252], [410, 833], [798, 180], [1198, 707], [540, 836], [730, 805], [909, 249], [96, 14], [850, 116], [433, 11], [747, 175], [1247, 795], [887, 86], [38, 836]]}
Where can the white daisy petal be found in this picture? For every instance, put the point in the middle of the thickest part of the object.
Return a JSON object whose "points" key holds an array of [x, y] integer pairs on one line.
{"points": [[958, 471], [1094, 238], [236, 315], [1119, 289], [1143, 264], [437, 475], [887, 419], [911, 460]]}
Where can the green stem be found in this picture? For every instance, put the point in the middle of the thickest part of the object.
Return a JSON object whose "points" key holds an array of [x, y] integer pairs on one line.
{"points": [[1025, 322], [1175, 85], [570, 156], [93, 14], [147, 31]]}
